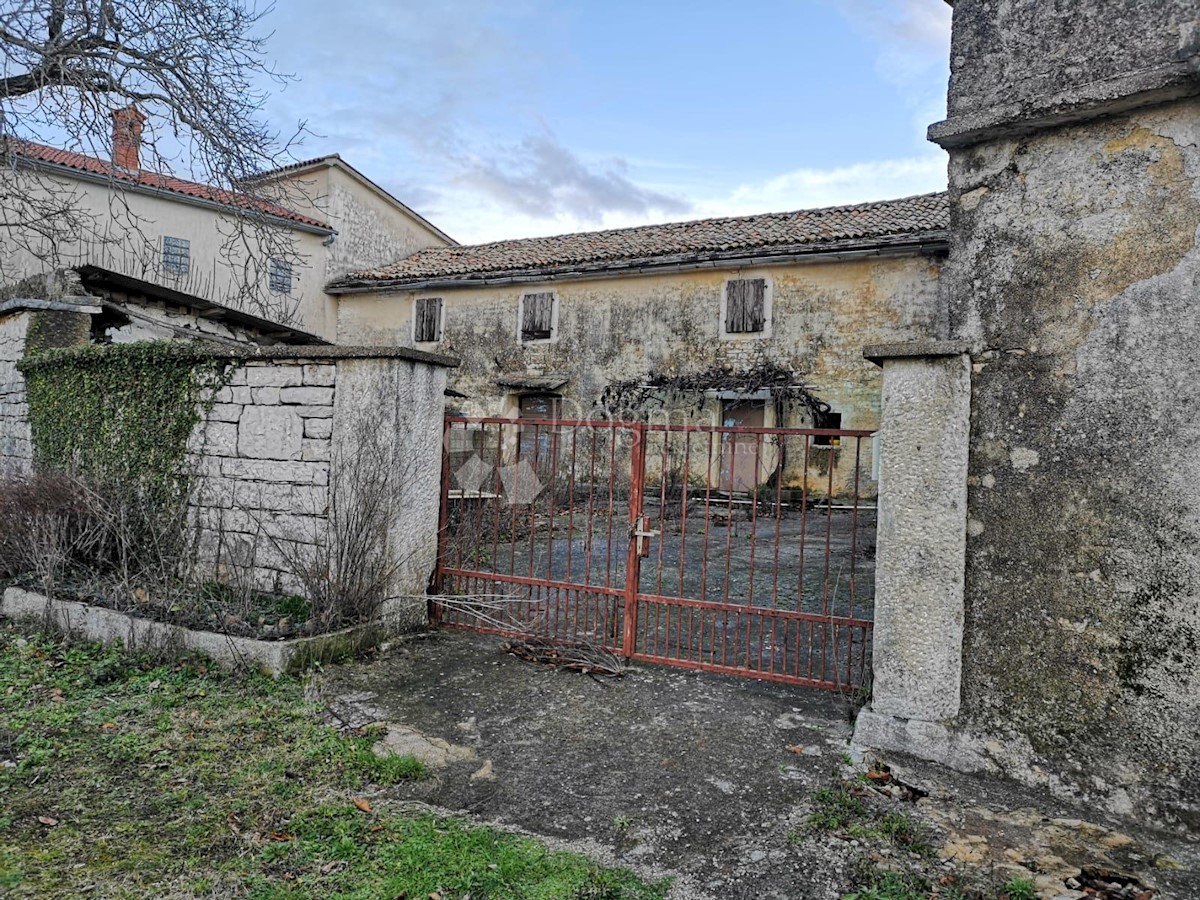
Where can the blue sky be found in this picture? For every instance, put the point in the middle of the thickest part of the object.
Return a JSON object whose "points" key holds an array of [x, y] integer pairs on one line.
{"points": [[528, 117]]}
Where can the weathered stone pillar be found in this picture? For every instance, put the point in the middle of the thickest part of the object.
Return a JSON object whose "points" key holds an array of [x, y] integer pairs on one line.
{"points": [[27, 326], [919, 575]]}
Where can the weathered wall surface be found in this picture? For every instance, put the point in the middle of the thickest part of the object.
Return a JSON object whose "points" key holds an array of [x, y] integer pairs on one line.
{"points": [[1014, 61], [16, 451], [1074, 274], [371, 230], [294, 441], [262, 456], [389, 412], [624, 327], [125, 234]]}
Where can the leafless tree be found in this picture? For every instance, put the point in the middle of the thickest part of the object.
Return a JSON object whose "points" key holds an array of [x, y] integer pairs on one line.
{"points": [[195, 69]]}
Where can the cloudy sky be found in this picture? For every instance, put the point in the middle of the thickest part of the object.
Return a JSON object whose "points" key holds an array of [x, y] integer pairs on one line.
{"points": [[514, 118]]}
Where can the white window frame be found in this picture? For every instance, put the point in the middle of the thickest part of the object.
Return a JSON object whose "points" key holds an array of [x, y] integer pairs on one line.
{"points": [[554, 308], [441, 329], [768, 308]]}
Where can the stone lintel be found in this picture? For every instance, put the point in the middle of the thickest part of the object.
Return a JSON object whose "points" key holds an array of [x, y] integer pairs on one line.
{"points": [[85, 305], [877, 353]]}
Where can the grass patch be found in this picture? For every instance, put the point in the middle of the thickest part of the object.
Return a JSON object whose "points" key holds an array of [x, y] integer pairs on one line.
{"points": [[123, 777], [893, 886]]}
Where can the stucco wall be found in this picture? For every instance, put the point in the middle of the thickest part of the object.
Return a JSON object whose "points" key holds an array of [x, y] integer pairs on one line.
{"points": [[127, 237], [625, 327], [1075, 275]]}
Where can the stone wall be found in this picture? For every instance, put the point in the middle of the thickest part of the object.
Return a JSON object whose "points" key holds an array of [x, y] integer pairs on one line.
{"points": [[28, 325], [16, 452], [263, 453], [299, 434], [1074, 276]]}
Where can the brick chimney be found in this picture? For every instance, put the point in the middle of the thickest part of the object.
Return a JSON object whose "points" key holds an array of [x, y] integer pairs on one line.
{"points": [[127, 136]]}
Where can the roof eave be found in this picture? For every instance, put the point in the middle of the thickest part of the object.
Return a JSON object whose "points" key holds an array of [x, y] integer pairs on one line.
{"points": [[164, 194], [933, 242]]}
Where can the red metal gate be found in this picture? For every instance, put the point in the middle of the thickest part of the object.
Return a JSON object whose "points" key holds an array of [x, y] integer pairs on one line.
{"points": [[620, 535]]}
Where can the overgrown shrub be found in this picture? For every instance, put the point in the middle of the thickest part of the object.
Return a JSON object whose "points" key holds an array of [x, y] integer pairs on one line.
{"points": [[57, 527]]}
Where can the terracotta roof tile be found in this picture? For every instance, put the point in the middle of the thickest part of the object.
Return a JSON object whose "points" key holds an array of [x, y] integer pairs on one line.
{"points": [[924, 217], [81, 162]]}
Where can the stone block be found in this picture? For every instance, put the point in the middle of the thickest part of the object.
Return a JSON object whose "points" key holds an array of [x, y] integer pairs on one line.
{"points": [[224, 412], [265, 396], [307, 500], [237, 377], [301, 472], [310, 396], [314, 412], [320, 375], [270, 432], [318, 428], [273, 375], [217, 438], [315, 449]]}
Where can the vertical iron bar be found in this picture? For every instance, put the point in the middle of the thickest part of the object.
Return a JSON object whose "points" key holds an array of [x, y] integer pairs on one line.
{"points": [[633, 558]]}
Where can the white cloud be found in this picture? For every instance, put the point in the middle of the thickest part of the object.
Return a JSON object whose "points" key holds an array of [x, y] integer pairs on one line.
{"points": [[812, 188], [475, 217]]}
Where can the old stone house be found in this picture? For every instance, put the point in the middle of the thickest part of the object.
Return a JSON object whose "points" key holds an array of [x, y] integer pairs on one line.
{"points": [[719, 321], [268, 252]]}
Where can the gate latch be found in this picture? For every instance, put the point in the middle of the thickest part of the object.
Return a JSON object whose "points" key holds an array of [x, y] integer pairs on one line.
{"points": [[641, 531]]}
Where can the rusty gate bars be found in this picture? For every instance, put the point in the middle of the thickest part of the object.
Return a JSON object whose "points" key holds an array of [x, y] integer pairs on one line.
{"points": [[750, 625]]}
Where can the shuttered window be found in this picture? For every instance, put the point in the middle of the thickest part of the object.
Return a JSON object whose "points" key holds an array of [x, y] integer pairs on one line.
{"points": [[537, 316], [427, 320], [745, 305]]}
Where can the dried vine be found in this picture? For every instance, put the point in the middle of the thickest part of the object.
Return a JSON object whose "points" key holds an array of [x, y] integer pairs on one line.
{"points": [[638, 397]]}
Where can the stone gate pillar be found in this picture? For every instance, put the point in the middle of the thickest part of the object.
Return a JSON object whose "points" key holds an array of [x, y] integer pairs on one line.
{"points": [[918, 635]]}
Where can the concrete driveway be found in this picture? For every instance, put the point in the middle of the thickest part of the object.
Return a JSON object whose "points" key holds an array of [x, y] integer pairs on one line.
{"points": [[702, 777]]}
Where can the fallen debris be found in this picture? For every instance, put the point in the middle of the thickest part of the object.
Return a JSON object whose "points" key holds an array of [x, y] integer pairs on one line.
{"points": [[579, 657]]}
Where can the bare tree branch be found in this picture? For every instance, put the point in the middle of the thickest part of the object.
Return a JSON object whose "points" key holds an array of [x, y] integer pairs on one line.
{"points": [[194, 68]]}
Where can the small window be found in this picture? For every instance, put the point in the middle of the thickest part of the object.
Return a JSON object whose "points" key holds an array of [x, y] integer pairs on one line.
{"points": [[745, 305], [176, 255], [829, 419], [537, 316], [281, 276], [427, 320]]}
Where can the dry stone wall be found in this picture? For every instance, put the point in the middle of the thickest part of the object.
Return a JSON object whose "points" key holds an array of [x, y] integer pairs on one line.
{"points": [[294, 434], [263, 456]]}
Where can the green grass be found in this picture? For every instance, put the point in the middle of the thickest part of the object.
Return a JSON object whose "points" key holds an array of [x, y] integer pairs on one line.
{"points": [[1020, 889], [158, 780], [893, 886]]}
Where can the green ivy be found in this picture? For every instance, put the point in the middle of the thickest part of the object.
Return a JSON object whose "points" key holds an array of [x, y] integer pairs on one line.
{"points": [[121, 412]]}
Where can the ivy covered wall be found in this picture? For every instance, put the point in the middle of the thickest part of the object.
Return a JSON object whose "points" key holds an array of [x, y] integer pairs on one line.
{"points": [[121, 412]]}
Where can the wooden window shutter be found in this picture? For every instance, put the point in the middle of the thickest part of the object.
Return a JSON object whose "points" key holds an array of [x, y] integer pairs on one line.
{"points": [[427, 322], [537, 319], [745, 305]]}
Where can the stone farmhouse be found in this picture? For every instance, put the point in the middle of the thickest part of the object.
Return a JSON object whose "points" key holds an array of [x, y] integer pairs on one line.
{"points": [[1024, 344], [708, 322]]}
